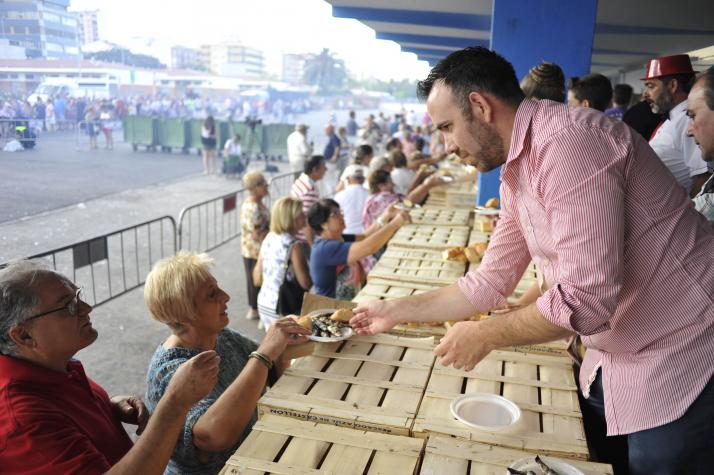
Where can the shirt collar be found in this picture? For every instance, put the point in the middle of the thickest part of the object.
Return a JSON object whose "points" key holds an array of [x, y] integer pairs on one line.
{"points": [[678, 110], [521, 124], [23, 370]]}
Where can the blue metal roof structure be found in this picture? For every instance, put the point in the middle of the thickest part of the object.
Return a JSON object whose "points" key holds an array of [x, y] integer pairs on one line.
{"points": [[627, 32]]}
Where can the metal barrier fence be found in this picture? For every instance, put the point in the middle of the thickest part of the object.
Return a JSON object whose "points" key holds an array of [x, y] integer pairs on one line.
{"points": [[206, 225], [111, 265]]}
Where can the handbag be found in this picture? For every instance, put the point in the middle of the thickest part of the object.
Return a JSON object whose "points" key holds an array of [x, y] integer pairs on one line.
{"points": [[291, 293]]}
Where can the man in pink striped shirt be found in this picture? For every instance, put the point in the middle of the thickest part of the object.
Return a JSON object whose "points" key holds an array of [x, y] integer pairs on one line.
{"points": [[305, 189], [627, 260]]}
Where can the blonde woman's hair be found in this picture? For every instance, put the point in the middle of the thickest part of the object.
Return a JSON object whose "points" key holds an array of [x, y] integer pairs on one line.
{"points": [[284, 214], [251, 179], [172, 286]]}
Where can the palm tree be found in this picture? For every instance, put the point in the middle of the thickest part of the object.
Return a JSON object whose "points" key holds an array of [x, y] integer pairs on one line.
{"points": [[324, 71]]}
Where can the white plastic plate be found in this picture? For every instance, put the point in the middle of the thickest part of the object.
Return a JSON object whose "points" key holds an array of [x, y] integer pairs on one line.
{"points": [[529, 463], [405, 207], [485, 411], [346, 331], [487, 211]]}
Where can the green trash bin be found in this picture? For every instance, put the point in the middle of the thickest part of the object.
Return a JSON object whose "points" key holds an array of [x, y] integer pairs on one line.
{"points": [[223, 133], [173, 133], [142, 130], [194, 134], [275, 139]]}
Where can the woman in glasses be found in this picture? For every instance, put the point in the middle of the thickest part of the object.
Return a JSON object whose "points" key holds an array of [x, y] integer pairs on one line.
{"points": [[333, 253]]}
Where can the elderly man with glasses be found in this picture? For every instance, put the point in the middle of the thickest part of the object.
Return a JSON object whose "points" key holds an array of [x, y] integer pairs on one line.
{"points": [[53, 418]]}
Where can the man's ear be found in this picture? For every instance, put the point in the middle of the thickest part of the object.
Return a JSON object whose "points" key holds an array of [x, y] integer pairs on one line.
{"points": [[22, 337], [673, 85], [481, 106]]}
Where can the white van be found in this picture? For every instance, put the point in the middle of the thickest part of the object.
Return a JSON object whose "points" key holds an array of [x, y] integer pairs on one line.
{"points": [[92, 88]]}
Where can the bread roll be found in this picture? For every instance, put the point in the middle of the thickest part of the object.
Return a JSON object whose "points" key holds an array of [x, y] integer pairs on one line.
{"points": [[343, 315], [305, 322], [472, 255], [492, 203]]}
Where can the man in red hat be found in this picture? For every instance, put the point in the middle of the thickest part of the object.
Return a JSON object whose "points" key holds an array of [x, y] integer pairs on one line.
{"points": [[700, 110], [667, 83]]}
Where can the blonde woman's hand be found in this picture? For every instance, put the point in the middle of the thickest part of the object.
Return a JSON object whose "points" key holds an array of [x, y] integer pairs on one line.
{"points": [[401, 218], [282, 333], [194, 379], [390, 212]]}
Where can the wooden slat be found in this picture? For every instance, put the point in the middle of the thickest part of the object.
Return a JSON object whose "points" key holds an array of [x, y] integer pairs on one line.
{"points": [[440, 216], [429, 237], [456, 454]]}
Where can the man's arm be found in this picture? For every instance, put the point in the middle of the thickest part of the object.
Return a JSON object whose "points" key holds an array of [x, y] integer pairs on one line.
{"points": [[467, 343]]}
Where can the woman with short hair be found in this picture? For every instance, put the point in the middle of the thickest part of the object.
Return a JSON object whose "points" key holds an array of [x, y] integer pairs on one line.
{"points": [[255, 224], [181, 292], [282, 258]]}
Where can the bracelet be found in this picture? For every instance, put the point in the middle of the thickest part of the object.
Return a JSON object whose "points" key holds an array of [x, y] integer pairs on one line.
{"points": [[262, 358]]}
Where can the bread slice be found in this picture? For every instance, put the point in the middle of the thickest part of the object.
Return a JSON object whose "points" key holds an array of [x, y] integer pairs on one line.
{"points": [[343, 315], [305, 322], [492, 203]]}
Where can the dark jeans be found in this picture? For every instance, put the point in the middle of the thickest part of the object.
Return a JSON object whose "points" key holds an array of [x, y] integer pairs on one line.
{"points": [[249, 264], [684, 446]]}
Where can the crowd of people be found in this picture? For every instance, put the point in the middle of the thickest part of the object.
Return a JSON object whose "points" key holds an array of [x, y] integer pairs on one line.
{"points": [[622, 252]]}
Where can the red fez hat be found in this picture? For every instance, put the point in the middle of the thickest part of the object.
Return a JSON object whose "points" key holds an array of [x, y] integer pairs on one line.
{"points": [[668, 65]]}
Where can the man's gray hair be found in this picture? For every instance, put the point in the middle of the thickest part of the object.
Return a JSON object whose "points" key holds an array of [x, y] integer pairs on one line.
{"points": [[17, 298]]}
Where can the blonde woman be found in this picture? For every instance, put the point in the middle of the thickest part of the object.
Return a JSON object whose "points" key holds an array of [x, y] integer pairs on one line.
{"points": [[282, 259], [181, 292], [254, 223]]}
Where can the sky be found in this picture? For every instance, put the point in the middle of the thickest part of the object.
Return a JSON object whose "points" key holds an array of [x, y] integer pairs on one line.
{"points": [[274, 26]]}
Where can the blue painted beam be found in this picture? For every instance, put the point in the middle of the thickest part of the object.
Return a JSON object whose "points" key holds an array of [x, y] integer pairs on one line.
{"points": [[432, 40], [606, 28], [415, 17], [435, 53]]}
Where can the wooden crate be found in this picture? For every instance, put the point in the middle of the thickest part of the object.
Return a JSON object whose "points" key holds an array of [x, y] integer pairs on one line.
{"points": [[385, 289], [542, 386], [440, 216], [368, 383], [285, 446], [435, 201], [423, 236], [449, 456], [417, 265]]}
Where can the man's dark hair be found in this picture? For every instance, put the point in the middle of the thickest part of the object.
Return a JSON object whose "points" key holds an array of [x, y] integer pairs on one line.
{"points": [[419, 144], [474, 69], [622, 94], [595, 88], [362, 152], [398, 159], [544, 81], [319, 213], [312, 163], [392, 144], [685, 81], [707, 78]]}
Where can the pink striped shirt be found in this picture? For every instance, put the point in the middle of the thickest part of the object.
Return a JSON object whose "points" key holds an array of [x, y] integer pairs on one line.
{"points": [[304, 189], [627, 259]]}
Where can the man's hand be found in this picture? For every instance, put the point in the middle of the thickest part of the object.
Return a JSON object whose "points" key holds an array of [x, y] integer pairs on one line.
{"points": [[463, 346], [131, 410], [372, 318], [194, 379]]}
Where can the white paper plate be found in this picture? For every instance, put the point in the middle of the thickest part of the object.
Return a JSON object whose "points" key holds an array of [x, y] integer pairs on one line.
{"points": [[529, 463], [346, 332], [487, 211], [405, 207], [485, 411]]}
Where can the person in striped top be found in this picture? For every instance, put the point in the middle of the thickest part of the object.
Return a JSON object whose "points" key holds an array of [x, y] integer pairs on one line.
{"points": [[305, 189], [626, 258]]}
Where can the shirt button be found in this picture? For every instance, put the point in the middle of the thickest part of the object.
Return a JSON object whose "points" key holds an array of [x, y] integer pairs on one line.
{"points": [[546, 263], [529, 228]]}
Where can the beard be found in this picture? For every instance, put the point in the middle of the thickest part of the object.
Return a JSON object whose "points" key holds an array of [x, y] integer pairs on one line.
{"points": [[663, 104], [492, 153]]}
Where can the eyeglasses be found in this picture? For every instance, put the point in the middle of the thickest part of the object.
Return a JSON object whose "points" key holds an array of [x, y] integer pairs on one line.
{"points": [[72, 307], [336, 214]]}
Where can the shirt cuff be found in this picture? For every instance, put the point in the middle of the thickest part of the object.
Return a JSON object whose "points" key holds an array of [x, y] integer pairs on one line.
{"points": [[479, 293]]}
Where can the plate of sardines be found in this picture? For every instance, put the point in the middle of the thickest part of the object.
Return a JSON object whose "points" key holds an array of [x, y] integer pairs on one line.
{"points": [[328, 324]]}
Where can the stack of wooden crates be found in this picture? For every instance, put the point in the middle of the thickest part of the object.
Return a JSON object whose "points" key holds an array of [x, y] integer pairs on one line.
{"points": [[380, 404]]}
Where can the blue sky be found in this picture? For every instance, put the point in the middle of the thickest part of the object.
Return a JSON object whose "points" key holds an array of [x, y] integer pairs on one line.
{"points": [[275, 26]]}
